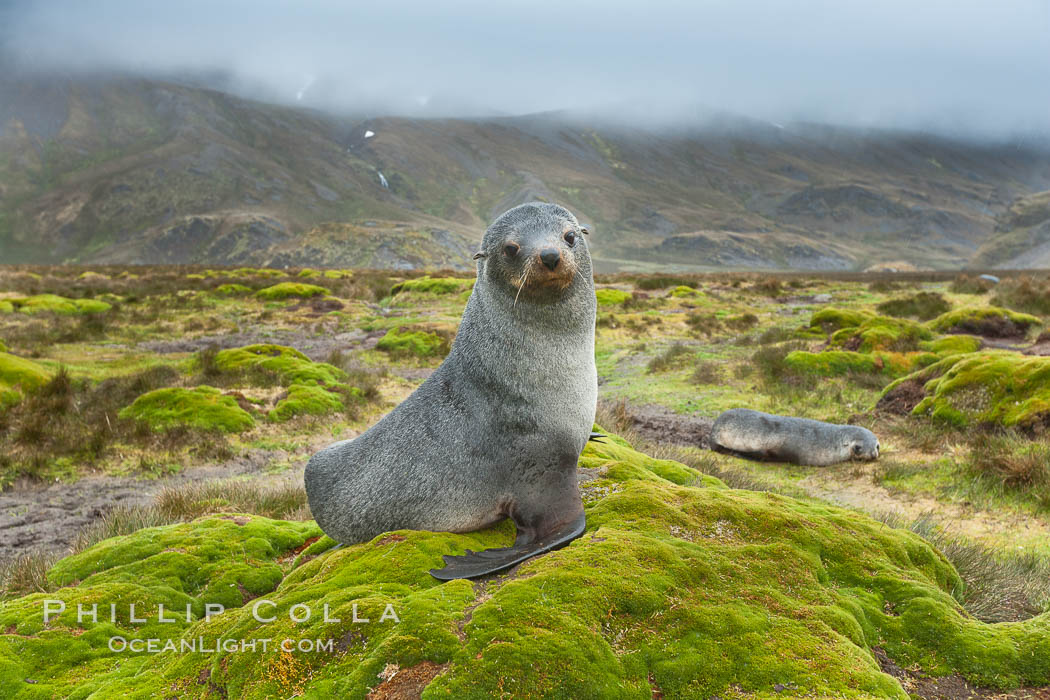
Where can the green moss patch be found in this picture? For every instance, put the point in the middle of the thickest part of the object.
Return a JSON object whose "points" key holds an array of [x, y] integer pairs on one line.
{"points": [[251, 272], [233, 290], [612, 297], [52, 303], [433, 285], [17, 376], [881, 333], [6, 306], [684, 291], [308, 399], [680, 586], [837, 363], [400, 342], [288, 364], [202, 407], [831, 319], [999, 387], [290, 290], [952, 345], [987, 321]]}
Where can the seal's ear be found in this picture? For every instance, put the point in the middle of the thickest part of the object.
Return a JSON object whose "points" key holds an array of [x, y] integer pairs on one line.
{"points": [[478, 256], [584, 230]]}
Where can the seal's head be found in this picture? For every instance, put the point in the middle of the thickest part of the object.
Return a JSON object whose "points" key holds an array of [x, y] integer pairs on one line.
{"points": [[535, 252], [860, 444]]}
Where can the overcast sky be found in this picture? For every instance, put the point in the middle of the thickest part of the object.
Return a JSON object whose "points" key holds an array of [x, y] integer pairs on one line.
{"points": [[948, 66]]}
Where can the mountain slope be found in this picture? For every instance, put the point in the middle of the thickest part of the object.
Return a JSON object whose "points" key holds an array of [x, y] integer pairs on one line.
{"points": [[122, 170], [1022, 235]]}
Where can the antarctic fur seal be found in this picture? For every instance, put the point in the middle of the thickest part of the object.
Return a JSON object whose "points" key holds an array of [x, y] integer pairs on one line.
{"points": [[762, 436], [496, 431]]}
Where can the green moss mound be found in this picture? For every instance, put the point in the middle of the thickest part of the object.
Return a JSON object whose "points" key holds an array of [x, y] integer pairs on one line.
{"points": [[881, 333], [999, 387], [831, 362], [290, 290], [433, 285], [6, 306], [612, 297], [684, 291], [837, 363], [232, 290], [52, 303], [680, 586], [400, 342], [307, 400], [202, 407], [253, 272], [290, 365], [831, 318], [952, 345], [989, 321], [17, 376]]}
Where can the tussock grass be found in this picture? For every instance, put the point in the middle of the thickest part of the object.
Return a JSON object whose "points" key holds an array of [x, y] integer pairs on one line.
{"points": [[72, 418], [706, 373], [1026, 294], [970, 284], [1000, 586], [674, 357], [27, 573], [1009, 462], [703, 323], [923, 306]]}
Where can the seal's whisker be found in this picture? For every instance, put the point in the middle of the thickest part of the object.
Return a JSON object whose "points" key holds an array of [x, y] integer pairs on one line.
{"points": [[524, 281]]}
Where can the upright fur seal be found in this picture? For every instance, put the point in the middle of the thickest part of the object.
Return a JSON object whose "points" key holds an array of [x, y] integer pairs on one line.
{"points": [[497, 429], [756, 435]]}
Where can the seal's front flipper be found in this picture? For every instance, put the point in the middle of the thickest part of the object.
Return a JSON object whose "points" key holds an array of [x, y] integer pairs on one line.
{"points": [[596, 437], [491, 561]]}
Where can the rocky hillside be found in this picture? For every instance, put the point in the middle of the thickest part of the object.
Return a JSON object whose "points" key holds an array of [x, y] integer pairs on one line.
{"points": [[129, 170], [1022, 235]]}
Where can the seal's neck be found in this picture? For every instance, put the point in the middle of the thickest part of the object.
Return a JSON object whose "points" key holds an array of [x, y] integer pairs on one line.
{"points": [[528, 337]]}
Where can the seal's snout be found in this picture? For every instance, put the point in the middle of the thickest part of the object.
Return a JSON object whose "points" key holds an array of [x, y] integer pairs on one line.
{"points": [[550, 257]]}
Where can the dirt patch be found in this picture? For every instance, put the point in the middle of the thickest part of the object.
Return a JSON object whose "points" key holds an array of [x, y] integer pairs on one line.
{"points": [[991, 327], [413, 374], [657, 424], [902, 398], [48, 517], [1040, 347], [853, 343], [406, 684], [919, 685], [316, 347], [318, 305]]}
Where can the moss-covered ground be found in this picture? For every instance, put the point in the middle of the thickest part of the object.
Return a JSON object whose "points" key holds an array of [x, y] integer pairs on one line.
{"points": [[959, 408], [681, 586]]}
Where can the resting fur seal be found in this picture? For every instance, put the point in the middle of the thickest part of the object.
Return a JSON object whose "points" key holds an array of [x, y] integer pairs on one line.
{"points": [[756, 435], [497, 429]]}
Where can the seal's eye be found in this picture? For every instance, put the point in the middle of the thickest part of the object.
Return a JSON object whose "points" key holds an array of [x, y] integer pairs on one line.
{"points": [[856, 449], [511, 249], [570, 238]]}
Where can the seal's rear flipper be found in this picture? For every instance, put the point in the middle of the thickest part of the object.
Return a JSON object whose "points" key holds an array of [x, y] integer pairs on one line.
{"points": [[596, 437], [491, 561]]}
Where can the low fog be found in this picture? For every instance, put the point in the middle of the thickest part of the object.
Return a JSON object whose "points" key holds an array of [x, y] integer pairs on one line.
{"points": [[960, 68]]}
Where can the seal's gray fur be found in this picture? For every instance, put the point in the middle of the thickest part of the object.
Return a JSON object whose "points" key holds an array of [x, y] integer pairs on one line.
{"points": [[758, 435], [497, 429]]}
